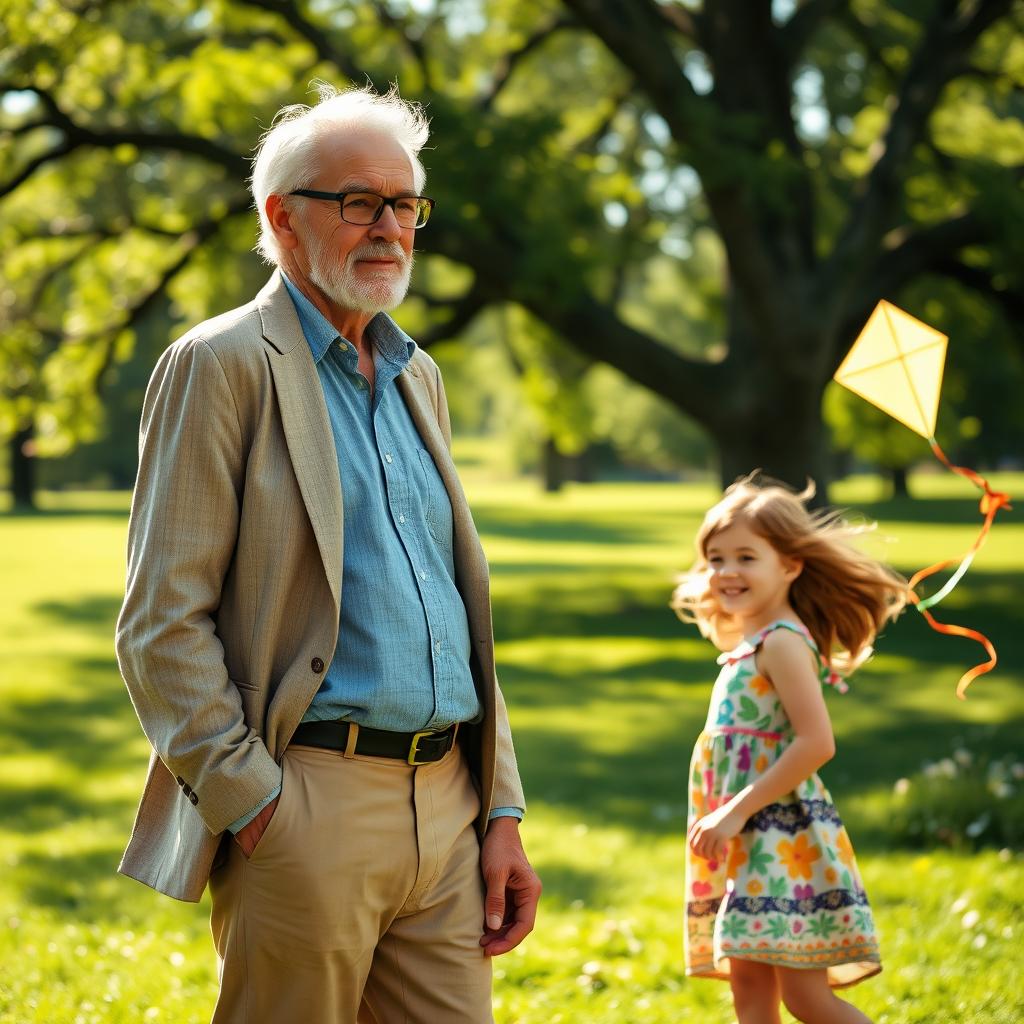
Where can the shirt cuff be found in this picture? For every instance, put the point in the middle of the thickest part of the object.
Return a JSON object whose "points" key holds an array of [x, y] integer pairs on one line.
{"points": [[236, 826], [505, 812]]}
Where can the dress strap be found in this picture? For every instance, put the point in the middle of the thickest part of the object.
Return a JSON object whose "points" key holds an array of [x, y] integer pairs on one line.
{"points": [[826, 673]]}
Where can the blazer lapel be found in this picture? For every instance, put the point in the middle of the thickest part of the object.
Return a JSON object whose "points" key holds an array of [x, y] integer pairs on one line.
{"points": [[470, 563], [307, 429]]}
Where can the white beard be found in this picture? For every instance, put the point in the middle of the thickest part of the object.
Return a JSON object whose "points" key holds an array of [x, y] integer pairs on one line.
{"points": [[369, 292]]}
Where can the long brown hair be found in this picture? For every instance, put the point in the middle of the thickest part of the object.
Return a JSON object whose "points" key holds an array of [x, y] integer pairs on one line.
{"points": [[842, 595]]}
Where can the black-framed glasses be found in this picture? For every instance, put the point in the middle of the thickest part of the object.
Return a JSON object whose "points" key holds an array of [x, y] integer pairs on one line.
{"points": [[365, 208]]}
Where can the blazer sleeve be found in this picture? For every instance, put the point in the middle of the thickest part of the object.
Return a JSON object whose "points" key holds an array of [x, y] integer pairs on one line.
{"points": [[181, 538]]}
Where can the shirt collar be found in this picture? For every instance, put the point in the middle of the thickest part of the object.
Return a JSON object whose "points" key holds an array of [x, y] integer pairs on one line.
{"points": [[389, 340]]}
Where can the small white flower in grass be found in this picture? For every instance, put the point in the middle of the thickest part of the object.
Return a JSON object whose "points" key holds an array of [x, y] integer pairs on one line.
{"points": [[592, 968], [901, 787], [979, 825], [979, 941], [970, 919], [1007, 932], [1005, 855], [177, 958], [152, 1013], [960, 905], [963, 756]]}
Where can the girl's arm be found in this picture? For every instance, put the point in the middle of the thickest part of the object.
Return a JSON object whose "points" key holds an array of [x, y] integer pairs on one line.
{"points": [[784, 660]]}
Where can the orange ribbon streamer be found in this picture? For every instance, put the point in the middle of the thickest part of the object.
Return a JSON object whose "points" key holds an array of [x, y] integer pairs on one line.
{"points": [[991, 502]]}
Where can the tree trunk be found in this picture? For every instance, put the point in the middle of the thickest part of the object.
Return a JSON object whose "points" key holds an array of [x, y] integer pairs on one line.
{"points": [[898, 481], [786, 442], [552, 467], [23, 469]]}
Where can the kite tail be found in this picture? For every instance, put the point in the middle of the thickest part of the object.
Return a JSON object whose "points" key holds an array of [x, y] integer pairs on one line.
{"points": [[991, 502]]}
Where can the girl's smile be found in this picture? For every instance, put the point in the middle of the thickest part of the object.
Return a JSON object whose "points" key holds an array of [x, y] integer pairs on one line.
{"points": [[749, 578]]}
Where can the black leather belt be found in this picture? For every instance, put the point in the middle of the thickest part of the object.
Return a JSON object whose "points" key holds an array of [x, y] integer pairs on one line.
{"points": [[412, 747]]}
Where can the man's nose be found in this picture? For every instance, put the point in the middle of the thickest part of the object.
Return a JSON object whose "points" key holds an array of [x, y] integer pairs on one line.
{"points": [[386, 226]]}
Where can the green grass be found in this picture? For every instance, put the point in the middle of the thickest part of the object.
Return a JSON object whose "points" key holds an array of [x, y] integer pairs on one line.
{"points": [[607, 692]]}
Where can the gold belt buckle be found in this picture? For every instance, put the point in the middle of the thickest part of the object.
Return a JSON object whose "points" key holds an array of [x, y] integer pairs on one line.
{"points": [[414, 746], [417, 736]]}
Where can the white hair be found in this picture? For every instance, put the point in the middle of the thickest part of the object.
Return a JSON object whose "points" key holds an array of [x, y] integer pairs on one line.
{"points": [[285, 158]]}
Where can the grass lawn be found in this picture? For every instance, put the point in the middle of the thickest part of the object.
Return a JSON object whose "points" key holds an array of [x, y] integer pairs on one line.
{"points": [[607, 693]]}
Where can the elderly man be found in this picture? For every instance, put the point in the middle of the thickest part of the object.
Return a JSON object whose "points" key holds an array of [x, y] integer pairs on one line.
{"points": [[306, 633]]}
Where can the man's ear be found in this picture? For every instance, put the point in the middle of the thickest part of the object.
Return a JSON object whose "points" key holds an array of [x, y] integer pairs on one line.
{"points": [[281, 222]]}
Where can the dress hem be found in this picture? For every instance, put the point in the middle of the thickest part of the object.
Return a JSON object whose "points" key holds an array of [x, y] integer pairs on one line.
{"points": [[872, 968]]}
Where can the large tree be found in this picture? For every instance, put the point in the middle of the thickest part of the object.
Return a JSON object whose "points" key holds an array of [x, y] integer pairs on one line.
{"points": [[834, 151]]}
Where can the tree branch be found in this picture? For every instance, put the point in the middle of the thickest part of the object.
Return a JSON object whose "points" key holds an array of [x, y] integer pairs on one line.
{"points": [[681, 20], [463, 312], [980, 280], [940, 57], [78, 136], [313, 34], [414, 44], [805, 21], [634, 33], [507, 64], [65, 148]]}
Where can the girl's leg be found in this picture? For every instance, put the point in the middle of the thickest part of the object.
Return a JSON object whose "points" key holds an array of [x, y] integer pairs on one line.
{"points": [[755, 992], [808, 997]]}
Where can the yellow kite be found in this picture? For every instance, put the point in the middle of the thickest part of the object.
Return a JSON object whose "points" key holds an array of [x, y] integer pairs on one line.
{"points": [[896, 364]]}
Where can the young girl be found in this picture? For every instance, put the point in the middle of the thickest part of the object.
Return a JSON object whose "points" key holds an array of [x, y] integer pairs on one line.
{"points": [[775, 903]]}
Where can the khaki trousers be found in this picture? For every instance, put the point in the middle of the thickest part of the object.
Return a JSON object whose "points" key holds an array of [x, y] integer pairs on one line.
{"points": [[362, 902]]}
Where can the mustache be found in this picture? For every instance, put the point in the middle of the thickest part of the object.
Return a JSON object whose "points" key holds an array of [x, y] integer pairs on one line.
{"points": [[379, 251]]}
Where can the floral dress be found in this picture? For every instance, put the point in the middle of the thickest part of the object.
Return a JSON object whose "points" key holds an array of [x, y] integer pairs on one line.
{"points": [[788, 891]]}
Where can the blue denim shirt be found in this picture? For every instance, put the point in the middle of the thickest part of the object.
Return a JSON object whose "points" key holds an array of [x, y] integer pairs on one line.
{"points": [[402, 658]]}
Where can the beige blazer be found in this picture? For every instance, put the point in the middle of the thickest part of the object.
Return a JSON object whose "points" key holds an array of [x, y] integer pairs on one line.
{"points": [[234, 581]]}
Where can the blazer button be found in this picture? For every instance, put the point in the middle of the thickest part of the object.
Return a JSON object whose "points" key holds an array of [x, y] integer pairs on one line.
{"points": [[186, 789], [193, 798], [180, 781], [317, 665]]}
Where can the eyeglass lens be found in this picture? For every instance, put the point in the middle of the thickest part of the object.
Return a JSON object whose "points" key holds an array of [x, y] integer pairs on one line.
{"points": [[365, 208]]}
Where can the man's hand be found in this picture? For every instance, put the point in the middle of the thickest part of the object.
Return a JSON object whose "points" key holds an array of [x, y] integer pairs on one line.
{"points": [[248, 836], [513, 888]]}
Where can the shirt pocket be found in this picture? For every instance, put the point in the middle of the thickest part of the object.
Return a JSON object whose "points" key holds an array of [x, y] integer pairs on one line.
{"points": [[437, 508]]}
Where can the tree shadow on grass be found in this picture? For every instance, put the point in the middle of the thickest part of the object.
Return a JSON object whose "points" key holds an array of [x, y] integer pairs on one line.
{"points": [[492, 522], [97, 610], [930, 511]]}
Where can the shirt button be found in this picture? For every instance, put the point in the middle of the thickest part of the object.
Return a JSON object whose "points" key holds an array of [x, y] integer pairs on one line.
{"points": [[317, 665], [401, 519], [423, 575], [437, 646], [387, 457]]}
